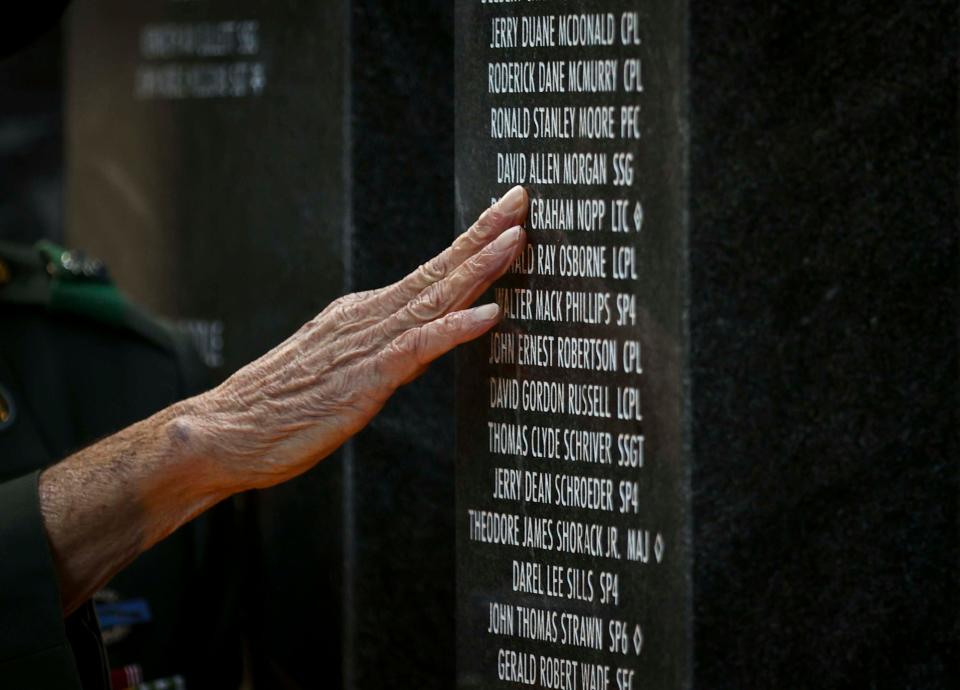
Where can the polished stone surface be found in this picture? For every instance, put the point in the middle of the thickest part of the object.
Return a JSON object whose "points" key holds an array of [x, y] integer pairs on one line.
{"points": [[823, 344], [822, 371], [399, 620]]}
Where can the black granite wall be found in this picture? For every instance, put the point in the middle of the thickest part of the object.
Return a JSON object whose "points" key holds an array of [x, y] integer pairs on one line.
{"points": [[823, 343], [400, 622]]}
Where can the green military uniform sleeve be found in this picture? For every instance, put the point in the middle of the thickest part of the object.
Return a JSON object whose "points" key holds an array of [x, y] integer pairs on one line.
{"points": [[78, 362], [34, 650]]}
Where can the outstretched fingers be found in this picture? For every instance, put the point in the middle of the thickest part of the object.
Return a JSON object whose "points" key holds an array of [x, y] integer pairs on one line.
{"points": [[410, 352], [459, 289], [509, 211]]}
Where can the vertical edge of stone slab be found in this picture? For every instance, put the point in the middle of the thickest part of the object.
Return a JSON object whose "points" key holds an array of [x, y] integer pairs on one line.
{"points": [[400, 624], [658, 594]]}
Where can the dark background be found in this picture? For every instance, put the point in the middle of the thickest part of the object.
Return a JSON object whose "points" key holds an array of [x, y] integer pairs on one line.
{"points": [[31, 140], [823, 342], [400, 616]]}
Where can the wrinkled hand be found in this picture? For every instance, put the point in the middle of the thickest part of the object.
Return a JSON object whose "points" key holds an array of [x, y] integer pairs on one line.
{"points": [[278, 416]]}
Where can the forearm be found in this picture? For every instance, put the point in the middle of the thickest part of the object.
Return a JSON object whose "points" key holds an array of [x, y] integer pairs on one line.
{"points": [[276, 417], [106, 504]]}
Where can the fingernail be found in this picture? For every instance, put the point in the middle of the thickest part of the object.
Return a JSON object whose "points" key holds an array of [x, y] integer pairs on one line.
{"points": [[507, 240], [488, 312], [513, 201]]}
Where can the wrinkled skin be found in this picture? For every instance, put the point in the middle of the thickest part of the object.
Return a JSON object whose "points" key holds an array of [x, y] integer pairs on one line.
{"points": [[276, 417]]}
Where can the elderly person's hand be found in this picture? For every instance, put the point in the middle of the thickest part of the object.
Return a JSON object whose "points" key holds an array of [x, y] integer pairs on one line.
{"points": [[276, 417]]}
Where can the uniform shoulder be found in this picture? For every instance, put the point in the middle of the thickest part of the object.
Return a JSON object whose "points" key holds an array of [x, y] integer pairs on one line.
{"points": [[70, 282]]}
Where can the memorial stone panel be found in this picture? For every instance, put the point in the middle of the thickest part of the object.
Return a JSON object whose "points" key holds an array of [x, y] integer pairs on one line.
{"points": [[823, 351], [399, 620], [572, 505]]}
